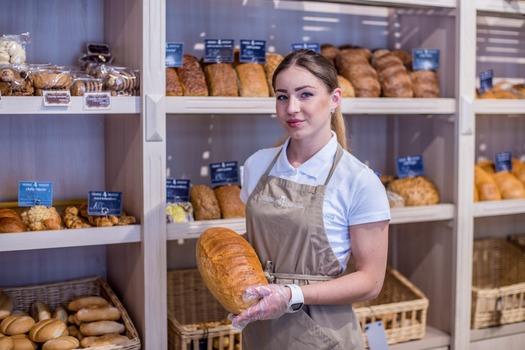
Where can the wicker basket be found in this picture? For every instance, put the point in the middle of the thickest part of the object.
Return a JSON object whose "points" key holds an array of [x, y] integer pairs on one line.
{"points": [[401, 307], [195, 319], [55, 294], [498, 283], [518, 240]]}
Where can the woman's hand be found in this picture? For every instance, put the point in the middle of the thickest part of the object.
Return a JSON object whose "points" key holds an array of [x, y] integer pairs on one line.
{"points": [[272, 303]]}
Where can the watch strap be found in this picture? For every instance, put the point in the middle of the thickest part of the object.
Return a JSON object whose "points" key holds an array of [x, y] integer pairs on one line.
{"points": [[297, 299]]}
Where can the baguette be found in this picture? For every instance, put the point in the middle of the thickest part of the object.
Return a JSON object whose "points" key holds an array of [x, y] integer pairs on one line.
{"points": [[109, 313], [101, 328], [103, 340], [47, 329], [16, 324], [86, 301], [63, 343], [61, 313]]}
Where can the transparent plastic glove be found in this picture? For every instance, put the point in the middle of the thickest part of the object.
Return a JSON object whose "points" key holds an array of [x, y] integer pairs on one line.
{"points": [[273, 303]]}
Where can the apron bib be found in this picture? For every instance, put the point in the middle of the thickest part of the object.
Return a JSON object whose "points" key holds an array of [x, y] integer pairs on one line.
{"points": [[284, 221]]}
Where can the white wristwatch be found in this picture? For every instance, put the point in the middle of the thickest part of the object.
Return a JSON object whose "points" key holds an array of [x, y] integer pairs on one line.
{"points": [[297, 300]]}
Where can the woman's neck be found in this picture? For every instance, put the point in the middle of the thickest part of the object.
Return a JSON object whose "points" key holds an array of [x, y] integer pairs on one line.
{"points": [[299, 151]]}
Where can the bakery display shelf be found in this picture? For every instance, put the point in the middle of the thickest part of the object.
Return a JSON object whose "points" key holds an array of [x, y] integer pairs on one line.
{"points": [[248, 105], [434, 339], [189, 230], [22, 241], [35, 105], [399, 3], [501, 207], [497, 331], [515, 107], [501, 6]]}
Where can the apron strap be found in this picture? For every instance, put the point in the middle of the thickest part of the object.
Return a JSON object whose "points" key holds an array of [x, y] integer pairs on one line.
{"points": [[287, 278]]}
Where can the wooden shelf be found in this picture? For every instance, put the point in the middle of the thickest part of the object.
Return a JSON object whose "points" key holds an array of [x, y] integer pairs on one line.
{"points": [[502, 207], [500, 6], [516, 107], [405, 215], [401, 3], [497, 331], [434, 338], [35, 105], [248, 105], [24, 241]]}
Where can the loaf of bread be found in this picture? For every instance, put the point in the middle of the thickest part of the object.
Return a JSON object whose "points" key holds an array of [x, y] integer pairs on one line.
{"points": [[354, 65], [228, 265], [425, 83], [41, 218], [101, 327], [6, 305], [22, 342], [393, 76], [230, 203], [221, 79], [487, 165], [111, 339], [192, 77], [330, 52], [9, 224], [62, 343], [90, 314], [272, 62], [16, 324], [6, 343], [9, 213], [417, 190], [487, 188], [45, 330], [173, 85], [509, 185], [87, 301], [405, 57], [346, 87], [518, 169], [60, 313], [39, 311], [204, 203], [252, 80]]}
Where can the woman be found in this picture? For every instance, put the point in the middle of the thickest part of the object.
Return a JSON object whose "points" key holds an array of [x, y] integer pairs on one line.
{"points": [[309, 204]]}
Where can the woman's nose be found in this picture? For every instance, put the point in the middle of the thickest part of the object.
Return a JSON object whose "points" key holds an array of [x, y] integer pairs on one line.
{"points": [[293, 105]]}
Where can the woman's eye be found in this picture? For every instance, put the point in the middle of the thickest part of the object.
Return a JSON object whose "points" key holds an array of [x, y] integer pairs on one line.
{"points": [[281, 97], [306, 94]]}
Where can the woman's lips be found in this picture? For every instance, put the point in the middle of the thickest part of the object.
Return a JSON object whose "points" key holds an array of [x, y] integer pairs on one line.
{"points": [[293, 123]]}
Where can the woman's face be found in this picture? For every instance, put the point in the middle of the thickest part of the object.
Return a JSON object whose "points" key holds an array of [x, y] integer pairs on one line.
{"points": [[303, 105]]}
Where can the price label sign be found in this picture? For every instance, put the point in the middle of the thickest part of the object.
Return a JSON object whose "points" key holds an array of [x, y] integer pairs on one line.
{"points": [[410, 166], [310, 46], [425, 59], [177, 190], [253, 51], [56, 98], [486, 80], [31, 193], [224, 173], [503, 161], [174, 53], [97, 100], [103, 203], [218, 50]]}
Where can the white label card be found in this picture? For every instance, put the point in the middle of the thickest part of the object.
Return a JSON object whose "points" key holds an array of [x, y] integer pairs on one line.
{"points": [[376, 336], [56, 98]]}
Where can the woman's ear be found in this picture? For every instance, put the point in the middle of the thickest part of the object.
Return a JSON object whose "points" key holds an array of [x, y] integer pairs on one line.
{"points": [[337, 95]]}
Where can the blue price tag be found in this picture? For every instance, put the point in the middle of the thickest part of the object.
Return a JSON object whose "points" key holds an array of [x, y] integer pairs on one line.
{"points": [[425, 59], [177, 190], [253, 51], [486, 80], [376, 336], [174, 52], [31, 193], [311, 46], [102, 203], [224, 173], [218, 50], [503, 161], [410, 166]]}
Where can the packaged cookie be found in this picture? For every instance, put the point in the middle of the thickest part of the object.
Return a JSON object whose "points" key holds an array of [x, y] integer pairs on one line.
{"points": [[124, 81], [85, 83], [47, 77], [13, 48], [15, 80]]}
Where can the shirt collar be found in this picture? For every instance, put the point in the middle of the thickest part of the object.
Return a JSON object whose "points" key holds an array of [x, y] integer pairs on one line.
{"points": [[313, 165]]}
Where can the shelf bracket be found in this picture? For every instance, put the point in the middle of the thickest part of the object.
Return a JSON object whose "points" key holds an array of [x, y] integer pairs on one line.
{"points": [[155, 115], [466, 116]]}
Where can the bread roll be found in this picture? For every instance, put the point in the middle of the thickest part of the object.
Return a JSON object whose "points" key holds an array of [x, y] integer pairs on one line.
{"points": [[61, 313], [22, 342], [228, 265], [330, 52], [41, 218], [354, 65], [518, 169], [40, 311], [192, 77], [425, 83], [86, 301], [45, 330], [101, 328], [417, 190], [488, 166], [103, 340], [252, 80], [11, 225], [346, 87], [488, 190], [204, 202], [9, 213], [6, 343], [509, 185], [229, 199], [62, 343], [393, 76], [272, 62], [91, 314], [221, 79], [173, 85], [16, 324], [405, 57], [6, 305]]}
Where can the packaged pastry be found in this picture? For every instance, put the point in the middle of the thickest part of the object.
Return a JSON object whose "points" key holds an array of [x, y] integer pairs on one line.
{"points": [[84, 83], [15, 80], [47, 77], [13, 48], [123, 81]]}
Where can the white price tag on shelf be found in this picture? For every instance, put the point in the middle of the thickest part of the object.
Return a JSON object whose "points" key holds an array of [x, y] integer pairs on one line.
{"points": [[96, 100], [56, 98]]}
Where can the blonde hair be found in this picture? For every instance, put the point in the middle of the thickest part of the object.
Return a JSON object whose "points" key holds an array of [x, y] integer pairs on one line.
{"points": [[325, 71]]}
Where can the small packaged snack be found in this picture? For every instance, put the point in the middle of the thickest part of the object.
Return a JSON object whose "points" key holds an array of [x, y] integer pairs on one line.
{"points": [[85, 83], [15, 80], [47, 77], [13, 48], [121, 81]]}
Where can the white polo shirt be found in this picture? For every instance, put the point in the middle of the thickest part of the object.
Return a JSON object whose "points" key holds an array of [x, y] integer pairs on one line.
{"points": [[354, 195]]}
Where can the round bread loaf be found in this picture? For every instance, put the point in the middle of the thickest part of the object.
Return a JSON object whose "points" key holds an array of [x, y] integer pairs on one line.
{"points": [[63, 343], [22, 342], [6, 343], [9, 224], [40, 311], [417, 190], [228, 265], [45, 330], [16, 324], [6, 305]]}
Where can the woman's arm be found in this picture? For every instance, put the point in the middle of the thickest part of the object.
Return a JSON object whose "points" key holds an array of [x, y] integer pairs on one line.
{"points": [[369, 250]]}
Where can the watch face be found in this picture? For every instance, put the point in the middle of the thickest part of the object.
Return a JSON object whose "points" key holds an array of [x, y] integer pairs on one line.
{"points": [[296, 307]]}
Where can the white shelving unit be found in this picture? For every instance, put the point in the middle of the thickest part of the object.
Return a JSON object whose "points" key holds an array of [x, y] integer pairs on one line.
{"points": [[136, 144]]}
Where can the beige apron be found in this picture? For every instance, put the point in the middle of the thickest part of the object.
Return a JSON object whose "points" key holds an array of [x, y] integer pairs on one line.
{"points": [[285, 225]]}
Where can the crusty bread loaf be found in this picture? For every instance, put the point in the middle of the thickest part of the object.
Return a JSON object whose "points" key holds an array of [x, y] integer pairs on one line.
{"points": [[354, 65], [488, 190], [393, 76], [192, 77], [230, 203], [91, 314], [9, 224], [47, 329], [509, 185], [62, 343], [221, 79], [6, 305], [417, 190], [173, 85], [61, 313], [204, 202], [346, 87], [39, 311], [101, 327], [329, 51], [272, 62], [80, 302], [22, 342], [103, 340], [518, 169], [9, 213], [6, 343], [252, 80], [425, 83], [16, 324], [228, 265]]}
